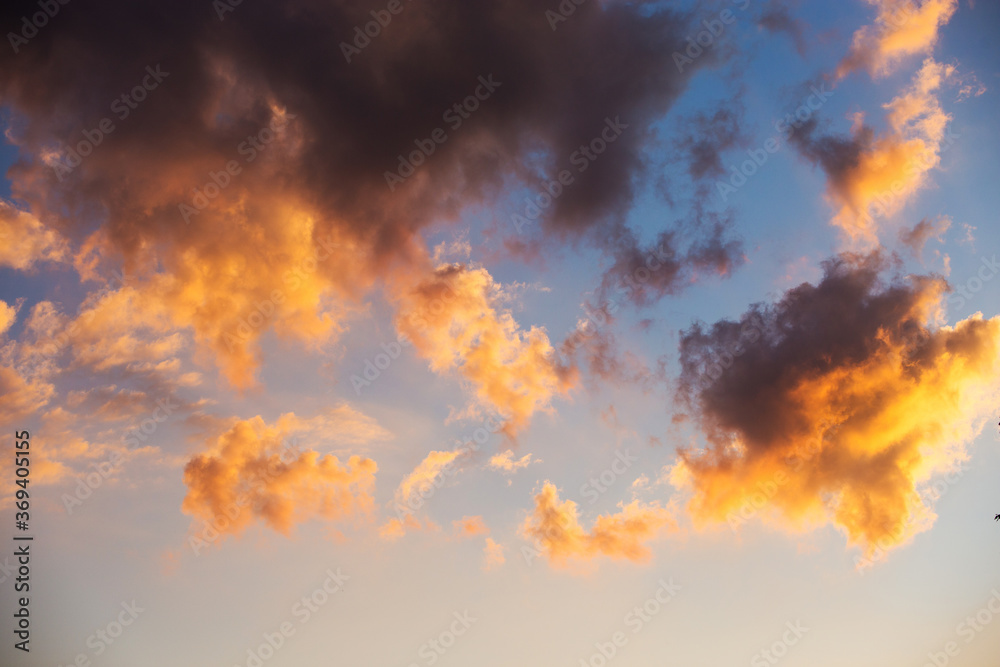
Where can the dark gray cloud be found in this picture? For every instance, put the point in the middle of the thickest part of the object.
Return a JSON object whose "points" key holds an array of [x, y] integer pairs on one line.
{"points": [[777, 18], [556, 90]]}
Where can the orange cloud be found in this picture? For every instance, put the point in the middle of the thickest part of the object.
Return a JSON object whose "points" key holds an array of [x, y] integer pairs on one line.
{"points": [[247, 476], [456, 320], [8, 314], [492, 555], [904, 28], [871, 177], [505, 461], [395, 528], [848, 406], [21, 396], [427, 475], [24, 240], [470, 526], [556, 529], [288, 277]]}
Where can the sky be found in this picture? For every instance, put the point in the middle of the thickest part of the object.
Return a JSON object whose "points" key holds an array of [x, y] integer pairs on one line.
{"points": [[594, 333]]}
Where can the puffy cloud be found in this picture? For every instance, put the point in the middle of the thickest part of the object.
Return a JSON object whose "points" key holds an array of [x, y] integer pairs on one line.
{"points": [[24, 240], [556, 530], [871, 176], [902, 28], [841, 406], [492, 555], [505, 461], [456, 320], [248, 475]]}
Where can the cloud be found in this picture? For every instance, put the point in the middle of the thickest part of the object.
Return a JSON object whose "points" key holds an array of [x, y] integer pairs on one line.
{"points": [[24, 240], [642, 275], [118, 328], [776, 18], [871, 176], [256, 159], [427, 472], [248, 476], [593, 345], [8, 315], [456, 320], [505, 462], [836, 405], [916, 238], [902, 28], [24, 387], [556, 529], [20, 396], [704, 138], [470, 526], [343, 426], [492, 555], [395, 528], [109, 402]]}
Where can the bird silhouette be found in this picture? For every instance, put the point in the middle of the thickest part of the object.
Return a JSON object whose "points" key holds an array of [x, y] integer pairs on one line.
{"points": [[997, 517]]}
